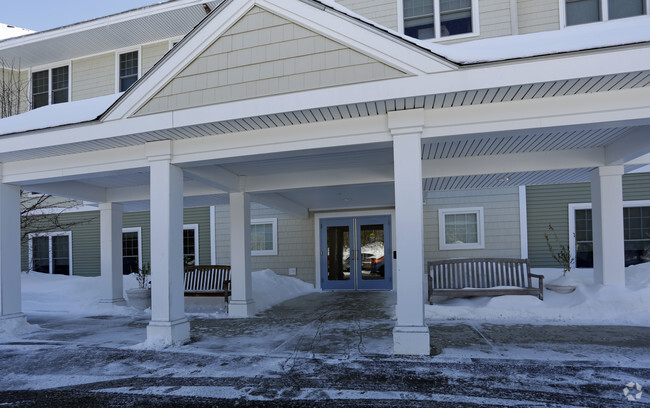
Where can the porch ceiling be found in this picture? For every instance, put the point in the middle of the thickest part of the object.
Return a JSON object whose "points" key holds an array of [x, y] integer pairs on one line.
{"points": [[551, 140]]}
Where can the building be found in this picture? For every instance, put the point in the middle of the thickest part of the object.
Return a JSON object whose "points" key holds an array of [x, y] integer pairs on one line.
{"points": [[353, 149]]}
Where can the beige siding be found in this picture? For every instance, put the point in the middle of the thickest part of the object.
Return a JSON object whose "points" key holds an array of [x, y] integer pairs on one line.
{"points": [[295, 242], [263, 54], [152, 53], [94, 76], [501, 222], [382, 12], [538, 15], [494, 18]]}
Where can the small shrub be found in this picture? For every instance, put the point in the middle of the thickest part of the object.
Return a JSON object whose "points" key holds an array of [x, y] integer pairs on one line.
{"points": [[142, 276], [562, 255]]}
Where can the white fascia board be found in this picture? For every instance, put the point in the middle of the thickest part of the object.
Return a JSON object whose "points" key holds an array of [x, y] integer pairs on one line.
{"points": [[634, 144], [142, 12], [61, 168], [510, 163], [140, 193], [214, 176], [623, 107]]}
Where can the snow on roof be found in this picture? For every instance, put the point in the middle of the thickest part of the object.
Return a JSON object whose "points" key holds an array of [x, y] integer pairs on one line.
{"points": [[58, 115], [576, 38], [9, 31]]}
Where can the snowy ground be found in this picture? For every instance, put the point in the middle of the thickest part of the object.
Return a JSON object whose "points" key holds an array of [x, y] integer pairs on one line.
{"points": [[589, 304], [330, 349]]}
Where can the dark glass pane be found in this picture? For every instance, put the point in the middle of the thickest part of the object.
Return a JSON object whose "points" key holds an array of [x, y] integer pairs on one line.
{"points": [[125, 83], [189, 257], [60, 85], [41, 254], [128, 69], [584, 255], [637, 252], [418, 19], [372, 252], [61, 254], [40, 89], [338, 253], [625, 8], [455, 17], [582, 11]]}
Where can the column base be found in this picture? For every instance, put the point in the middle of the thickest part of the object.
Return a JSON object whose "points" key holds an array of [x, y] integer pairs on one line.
{"points": [[411, 340], [116, 302], [170, 333], [241, 308]]}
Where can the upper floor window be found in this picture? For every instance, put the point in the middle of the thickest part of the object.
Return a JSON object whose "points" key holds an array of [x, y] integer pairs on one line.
{"points": [[590, 11], [50, 86], [128, 70], [438, 18]]}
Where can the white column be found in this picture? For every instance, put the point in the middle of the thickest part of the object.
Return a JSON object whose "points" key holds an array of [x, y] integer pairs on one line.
{"points": [[607, 225], [168, 322], [110, 221], [241, 303], [10, 306], [411, 334]]}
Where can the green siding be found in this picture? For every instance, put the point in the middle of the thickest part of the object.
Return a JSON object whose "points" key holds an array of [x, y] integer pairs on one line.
{"points": [[550, 205], [86, 237]]}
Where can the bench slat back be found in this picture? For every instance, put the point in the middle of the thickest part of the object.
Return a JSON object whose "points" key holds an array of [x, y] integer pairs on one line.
{"points": [[479, 273], [206, 277]]}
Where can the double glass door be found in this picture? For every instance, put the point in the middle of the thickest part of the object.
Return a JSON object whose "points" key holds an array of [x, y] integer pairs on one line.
{"points": [[356, 253]]}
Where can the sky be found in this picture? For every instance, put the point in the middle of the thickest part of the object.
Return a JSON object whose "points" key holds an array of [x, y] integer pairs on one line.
{"points": [[40, 15]]}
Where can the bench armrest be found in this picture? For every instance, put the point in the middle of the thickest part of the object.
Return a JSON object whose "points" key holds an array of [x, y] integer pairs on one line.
{"points": [[541, 284], [226, 290]]}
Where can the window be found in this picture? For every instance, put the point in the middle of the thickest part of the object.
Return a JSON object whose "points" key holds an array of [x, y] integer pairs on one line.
{"points": [[131, 250], [636, 234], [264, 236], [50, 86], [190, 244], [461, 228], [51, 252], [128, 70], [590, 11], [439, 18]]}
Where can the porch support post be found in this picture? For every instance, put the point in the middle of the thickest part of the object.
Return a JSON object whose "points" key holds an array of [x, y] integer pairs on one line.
{"points": [[10, 304], [110, 220], [607, 225], [168, 323], [411, 334], [242, 303]]}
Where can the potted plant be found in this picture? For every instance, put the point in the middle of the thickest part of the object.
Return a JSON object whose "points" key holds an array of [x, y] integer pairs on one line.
{"points": [[563, 284], [140, 297]]}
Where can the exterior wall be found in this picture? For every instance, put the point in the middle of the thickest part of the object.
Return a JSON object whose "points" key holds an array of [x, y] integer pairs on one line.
{"points": [[383, 12], [501, 216], [272, 56], [152, 53], [93, 77], [538, 15], [295, 242], [550, 205], [86, 237], [494, 18]]}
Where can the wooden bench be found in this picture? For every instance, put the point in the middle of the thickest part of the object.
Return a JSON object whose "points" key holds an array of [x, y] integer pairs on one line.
{"points": [[482, 277], [207, 280]]}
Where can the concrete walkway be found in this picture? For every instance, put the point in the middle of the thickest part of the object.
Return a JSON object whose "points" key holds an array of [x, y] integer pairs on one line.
{"points": [[323, 349]]}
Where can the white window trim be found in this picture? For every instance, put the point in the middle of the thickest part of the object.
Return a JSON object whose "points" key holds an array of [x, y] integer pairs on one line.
{"points": [[117, 64], [604, 7], [587, 206], [476, 26], [194, 227], [139, 231], [49, 235], [480, 228], [274, 223], [48, 68]]}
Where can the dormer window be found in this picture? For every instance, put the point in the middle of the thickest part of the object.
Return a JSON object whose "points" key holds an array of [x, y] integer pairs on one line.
{"points": [[128, 70], [50, 86], [591, 11], [426, 19]]}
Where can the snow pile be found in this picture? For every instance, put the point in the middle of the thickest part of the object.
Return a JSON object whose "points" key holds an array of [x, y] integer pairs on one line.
{"points": [[270, 288], [9, 31], [79, 296], [58, 115], [588, 304], [587, 36]]}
